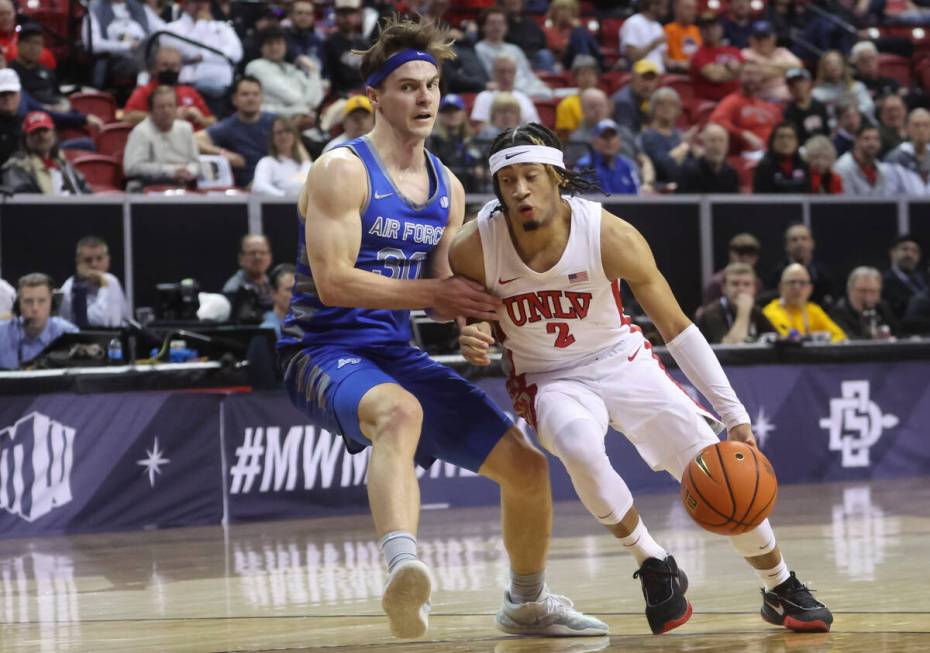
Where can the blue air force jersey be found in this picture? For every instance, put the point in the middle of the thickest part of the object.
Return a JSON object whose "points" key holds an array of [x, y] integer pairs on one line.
{"points": [[397, 238]]}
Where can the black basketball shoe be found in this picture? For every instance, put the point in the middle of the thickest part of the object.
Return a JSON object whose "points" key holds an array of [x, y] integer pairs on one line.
{"points": [[792, 606], [664, 587]]}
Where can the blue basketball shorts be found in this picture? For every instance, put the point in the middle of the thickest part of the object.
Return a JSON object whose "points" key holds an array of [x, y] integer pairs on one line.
{"points": [[461, 425]]}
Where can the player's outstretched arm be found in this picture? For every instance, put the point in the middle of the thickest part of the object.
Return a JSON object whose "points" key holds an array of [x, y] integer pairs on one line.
{"points": [[332, 199], [626, 254], [466, 259]]}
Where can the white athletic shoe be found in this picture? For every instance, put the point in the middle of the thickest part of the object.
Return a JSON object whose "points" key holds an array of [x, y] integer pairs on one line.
{"points": [[551, 615], [406, 599]]}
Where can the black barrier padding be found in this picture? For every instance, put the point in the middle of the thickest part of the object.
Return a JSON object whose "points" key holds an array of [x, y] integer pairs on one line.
{"points": [[41, 237], [174, 241], [673, 233], [279, 224], [920, 228], [849, 235], [767, 222]]}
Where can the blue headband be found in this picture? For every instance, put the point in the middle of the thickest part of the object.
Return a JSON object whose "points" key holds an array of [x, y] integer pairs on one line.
{"points": [[395, 61]]}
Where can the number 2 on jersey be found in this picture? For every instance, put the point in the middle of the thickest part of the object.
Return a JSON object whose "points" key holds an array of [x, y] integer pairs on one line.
{"points": [[564, 338]]}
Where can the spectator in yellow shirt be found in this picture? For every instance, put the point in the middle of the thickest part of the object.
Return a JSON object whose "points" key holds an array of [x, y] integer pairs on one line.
{"points": [[585, 72], [793, 312]]}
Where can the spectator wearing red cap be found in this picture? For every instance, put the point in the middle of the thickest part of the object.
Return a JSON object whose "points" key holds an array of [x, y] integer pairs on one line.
{"points": [[38, 167], [715, 66]]}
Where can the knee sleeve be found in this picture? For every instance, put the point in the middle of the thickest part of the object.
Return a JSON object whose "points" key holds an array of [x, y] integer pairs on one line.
{"points": [[757, 542], [580, 446]]}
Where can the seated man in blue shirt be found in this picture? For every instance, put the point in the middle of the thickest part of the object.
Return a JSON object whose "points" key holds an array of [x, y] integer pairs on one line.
{"points": [[27, 334], [615, 173]]}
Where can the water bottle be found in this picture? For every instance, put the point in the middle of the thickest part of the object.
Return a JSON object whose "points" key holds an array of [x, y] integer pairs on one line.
{"points": [[115, 352]]}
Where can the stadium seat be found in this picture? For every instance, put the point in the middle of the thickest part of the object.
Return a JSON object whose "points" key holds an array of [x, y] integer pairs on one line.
{"points": [[546, 110], [99, 103], [469, 100], [610, 33], [896, 67], [111, 139], [103, 173], [922, 74], [682, 85], [72, 154], [701, 112], [556, 80], [613, 81]]}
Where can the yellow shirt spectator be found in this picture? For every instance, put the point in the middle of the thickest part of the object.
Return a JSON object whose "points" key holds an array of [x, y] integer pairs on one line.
{"points": [[568, 114], [805, 321]]}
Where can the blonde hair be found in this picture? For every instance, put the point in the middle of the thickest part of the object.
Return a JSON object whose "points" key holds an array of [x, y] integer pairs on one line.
{"points": [[555, 5]]}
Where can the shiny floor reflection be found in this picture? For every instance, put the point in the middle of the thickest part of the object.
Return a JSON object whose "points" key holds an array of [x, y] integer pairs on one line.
{"points": [[315, 584]]}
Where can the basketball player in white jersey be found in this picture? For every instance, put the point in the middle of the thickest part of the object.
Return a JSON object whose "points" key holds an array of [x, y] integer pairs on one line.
{"points": [[577, 364]]}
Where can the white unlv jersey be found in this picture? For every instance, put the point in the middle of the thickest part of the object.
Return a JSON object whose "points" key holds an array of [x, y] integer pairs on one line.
{"points": [[561, 318]]}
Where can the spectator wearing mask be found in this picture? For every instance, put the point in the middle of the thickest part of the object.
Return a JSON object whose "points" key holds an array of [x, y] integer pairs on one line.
{"points": [[903, 279], [862, 172], [864, 59], [615, 173], [504, 74], [283, 172], [208, 72], [747, 117], [799, 249], [743, 248], [631, 103], [835, 84], [734, 318], [782, 170], [664, 144], [304, 43], [38, 80], [9, 37], [821, 155], [25, 336], [358, 119], [707, 171], [117, 29], [286, 89], [792, 313], [566, 38], [809, 116], [527, 35], [862, 314], [715, 66], [848, 123], [585, 72], [254, 262], [242, 138], [772, 60], [910, 160], [39, 167], [892, 123], [451, 140], [166, 69], [682, 37], [282, 283], [737, 26], [493, 45], [93, 297], [340, 65], [161, 149], [642, 36], [505, 114]]}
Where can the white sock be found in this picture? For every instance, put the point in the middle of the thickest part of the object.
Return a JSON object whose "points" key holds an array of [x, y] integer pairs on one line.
{"points": [[398, 546], [641, 545], [775, 576], [526, 588]]}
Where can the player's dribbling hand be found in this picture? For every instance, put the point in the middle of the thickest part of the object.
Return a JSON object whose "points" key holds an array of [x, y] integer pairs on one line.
{"points": [[474, 342], [742, 433], [458, 296]]}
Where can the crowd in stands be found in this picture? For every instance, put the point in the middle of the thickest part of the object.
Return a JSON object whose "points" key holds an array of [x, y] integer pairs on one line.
{"points": [[650, 97]]}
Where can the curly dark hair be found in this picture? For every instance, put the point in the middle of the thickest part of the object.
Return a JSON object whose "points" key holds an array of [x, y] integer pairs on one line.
{"points": [[532, 133]]}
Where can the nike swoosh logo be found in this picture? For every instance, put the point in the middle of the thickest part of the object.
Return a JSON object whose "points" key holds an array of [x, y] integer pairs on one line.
{"points": [[502, 282], [630, 358], [379, 196], [776, 607], [510, 156]]}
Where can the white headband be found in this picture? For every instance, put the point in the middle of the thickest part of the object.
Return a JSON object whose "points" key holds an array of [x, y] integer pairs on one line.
{"points": [[526, 154]]}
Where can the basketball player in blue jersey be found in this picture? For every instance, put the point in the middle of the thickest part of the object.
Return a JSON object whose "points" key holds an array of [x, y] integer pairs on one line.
{"points": [[377, 215], [577, 364]]}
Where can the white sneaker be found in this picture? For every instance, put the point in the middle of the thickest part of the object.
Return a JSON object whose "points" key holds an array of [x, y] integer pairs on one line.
{"points": [[551, 614], [406, 599]]}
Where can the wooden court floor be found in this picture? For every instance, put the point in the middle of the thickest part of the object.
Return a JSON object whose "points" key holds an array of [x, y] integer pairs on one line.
{"points": [[314, 585]]}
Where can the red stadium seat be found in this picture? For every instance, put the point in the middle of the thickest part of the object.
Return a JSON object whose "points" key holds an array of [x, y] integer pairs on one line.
{"points": [[111, 139], [701, 113], [546, 110], [897, 67], [72, 154], [103, 173], [613, 81], [556, 80], [469, 99], [99, 103], [610, 33], [682, 85]]}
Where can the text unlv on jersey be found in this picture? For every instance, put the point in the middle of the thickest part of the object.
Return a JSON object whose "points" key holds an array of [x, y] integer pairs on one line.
{"points": [[547, 304]]}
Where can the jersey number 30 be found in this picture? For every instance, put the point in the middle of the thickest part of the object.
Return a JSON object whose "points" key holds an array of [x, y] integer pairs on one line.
{"points": [[399, 266], [564, 338]]}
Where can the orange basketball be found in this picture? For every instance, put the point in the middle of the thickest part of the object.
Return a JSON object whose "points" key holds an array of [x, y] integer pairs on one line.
{"points": [[729, 488]]}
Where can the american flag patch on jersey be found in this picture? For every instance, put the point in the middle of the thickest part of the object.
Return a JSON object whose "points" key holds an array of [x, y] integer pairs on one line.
{"points": [[577, 277]]}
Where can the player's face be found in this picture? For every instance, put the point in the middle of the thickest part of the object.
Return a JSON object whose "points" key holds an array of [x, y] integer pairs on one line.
{"points": [[531, 195], [409, 98]]}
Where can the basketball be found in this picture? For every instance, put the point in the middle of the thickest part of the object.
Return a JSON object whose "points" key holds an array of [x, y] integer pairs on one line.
{"points": [[729, 488]]}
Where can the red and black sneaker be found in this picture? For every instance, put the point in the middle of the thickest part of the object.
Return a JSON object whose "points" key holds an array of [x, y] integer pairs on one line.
{"points": [[791, 605], [664, 587]]}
